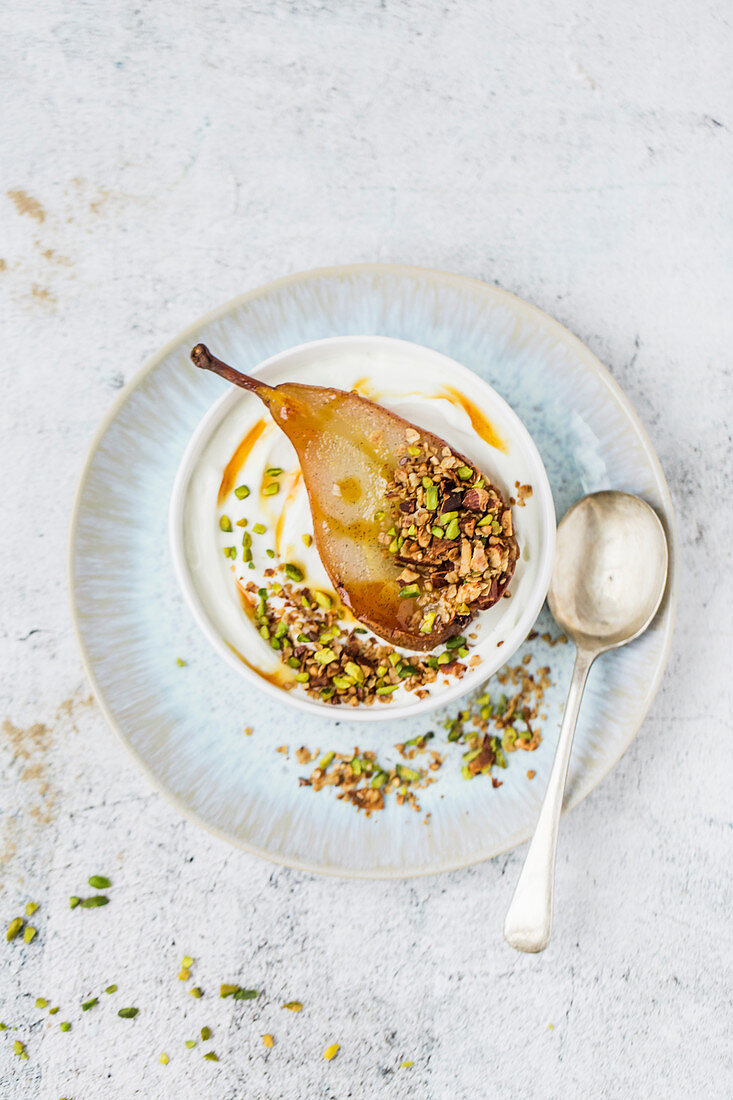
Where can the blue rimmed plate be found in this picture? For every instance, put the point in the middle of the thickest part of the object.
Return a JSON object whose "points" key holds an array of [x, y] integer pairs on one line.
{"points": [[185, 725]]}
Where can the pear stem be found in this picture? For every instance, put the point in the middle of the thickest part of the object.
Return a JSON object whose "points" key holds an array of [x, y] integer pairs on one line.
{"points": [[202, 357]]}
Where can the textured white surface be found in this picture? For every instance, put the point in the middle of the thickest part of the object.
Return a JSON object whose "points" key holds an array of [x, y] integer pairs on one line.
{"points": [[581, 156]]}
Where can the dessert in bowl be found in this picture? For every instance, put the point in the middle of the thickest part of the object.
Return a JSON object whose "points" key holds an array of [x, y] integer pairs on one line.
{"points": [[392, 559]]}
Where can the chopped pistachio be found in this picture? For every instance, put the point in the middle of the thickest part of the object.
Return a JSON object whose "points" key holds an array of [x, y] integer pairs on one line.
{"points": [[406, 1065], [180, 662], [187, 962], [245, 995], [431, 498], [323, 599], [29, 933], [205, 1033], [444, 659], [293, 572], [14, 928], [342, 682], [271, 489], [465, 473], [268, 1041], [270, 553], [242, 522], [354, 671], [128, 1013], [331, 1052], [164, 1059], [387, 689], [65, 1026], [99, 882], [302, 677], [324, 656], [466, 772], [111, 989], [211, 1057], [437, 532], [196, 992], [410, 591], [259, 528], [41, 1002], [18, 1047], [414, 451], [241, 492], [326, 760], [230, 552], [89, 1004], [378, 781], [227, 990], [30, 908], [293, 1006], [454, 643], [53, 1011], [94, 902], [452, 531], [190, 1043], [273, 471], [409, 775], [225, 524], [184, 974]]}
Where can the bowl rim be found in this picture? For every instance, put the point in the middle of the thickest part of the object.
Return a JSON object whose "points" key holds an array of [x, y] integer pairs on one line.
{"points": [[474, 676]]}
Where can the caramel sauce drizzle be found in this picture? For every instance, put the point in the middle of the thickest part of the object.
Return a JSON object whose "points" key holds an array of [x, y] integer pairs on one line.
{"points": [[479, 422], [236, 462]]}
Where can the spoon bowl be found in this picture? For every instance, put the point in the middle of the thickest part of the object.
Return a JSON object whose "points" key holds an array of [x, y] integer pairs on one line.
{"points": [[607, 584], [610, 570]]}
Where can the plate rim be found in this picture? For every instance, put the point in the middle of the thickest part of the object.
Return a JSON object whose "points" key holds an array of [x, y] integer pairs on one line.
{"points": [[590, 360]]}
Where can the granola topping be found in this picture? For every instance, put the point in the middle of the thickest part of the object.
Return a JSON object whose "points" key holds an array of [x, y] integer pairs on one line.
{"points": [[452, 531], [334, 663]]}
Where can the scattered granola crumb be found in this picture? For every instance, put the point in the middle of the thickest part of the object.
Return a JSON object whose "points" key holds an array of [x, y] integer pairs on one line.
{"points": [[283, 749], [248, 731], [531, 774], [268, 1041]]}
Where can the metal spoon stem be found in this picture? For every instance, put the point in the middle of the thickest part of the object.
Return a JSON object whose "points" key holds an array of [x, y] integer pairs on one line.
{"points": [[528, 922]]}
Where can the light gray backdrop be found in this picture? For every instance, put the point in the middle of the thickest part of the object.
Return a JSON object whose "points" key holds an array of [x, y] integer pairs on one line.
{"points": [[159, 158]]}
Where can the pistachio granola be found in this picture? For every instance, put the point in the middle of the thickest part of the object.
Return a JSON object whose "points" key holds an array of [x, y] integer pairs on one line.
{"points": [[452, 531]]}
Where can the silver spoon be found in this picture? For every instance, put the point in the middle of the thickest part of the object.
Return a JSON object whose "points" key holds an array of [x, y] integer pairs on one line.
{"points": [[607, 583]]}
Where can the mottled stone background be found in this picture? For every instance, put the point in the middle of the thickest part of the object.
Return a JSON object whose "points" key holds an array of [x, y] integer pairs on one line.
{"points": [[159, 158]]}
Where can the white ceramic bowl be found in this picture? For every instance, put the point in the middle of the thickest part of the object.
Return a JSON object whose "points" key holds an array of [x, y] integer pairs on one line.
{"points": [[421, 385]]}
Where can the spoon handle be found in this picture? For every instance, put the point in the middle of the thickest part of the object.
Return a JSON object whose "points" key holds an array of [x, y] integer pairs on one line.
{"points": [[528, 921]]}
